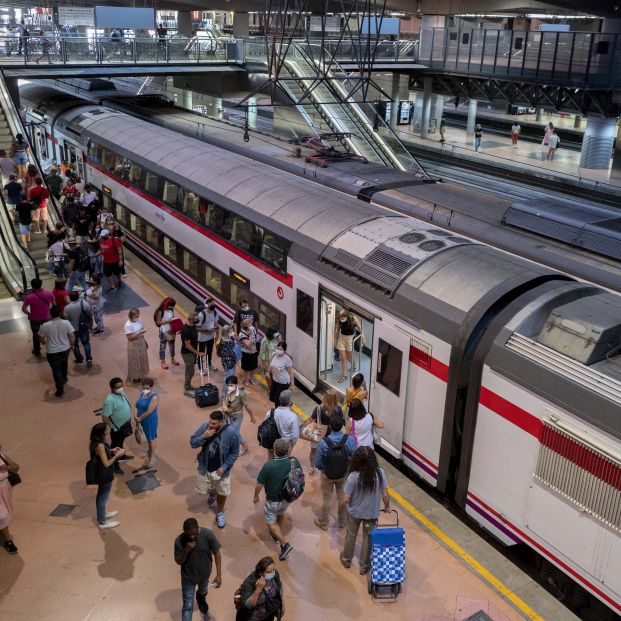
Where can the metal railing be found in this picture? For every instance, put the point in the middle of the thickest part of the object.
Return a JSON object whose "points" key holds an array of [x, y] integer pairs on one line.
{"points": [[564, 58], [57, 49]]}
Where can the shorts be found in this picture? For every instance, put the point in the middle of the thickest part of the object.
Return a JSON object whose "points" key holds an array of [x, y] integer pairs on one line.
{"points": [[210, 482], [112, 268], [274, 508], [345, 343], [24, 229], [20, 157], [39, 215]]}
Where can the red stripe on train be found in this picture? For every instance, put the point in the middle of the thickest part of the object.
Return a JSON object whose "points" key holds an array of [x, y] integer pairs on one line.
{"points": [[418, 454], [511, 412]]}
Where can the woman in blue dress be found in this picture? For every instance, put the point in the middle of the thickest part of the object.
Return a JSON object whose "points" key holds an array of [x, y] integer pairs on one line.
{"points": [[146, 415]]}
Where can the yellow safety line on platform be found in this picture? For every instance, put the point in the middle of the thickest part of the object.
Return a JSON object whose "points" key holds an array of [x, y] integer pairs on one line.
{"points": [[466, 558]]}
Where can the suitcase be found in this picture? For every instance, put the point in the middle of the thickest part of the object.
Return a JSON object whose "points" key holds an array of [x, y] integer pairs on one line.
{"points": [[207, 394], [387, 560]]}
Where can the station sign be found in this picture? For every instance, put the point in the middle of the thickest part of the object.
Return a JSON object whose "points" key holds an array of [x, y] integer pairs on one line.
{"points": [[332, 24], [76, 16]]}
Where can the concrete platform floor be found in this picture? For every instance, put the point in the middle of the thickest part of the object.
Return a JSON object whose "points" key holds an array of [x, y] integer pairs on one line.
{"points": [[69, 570]]}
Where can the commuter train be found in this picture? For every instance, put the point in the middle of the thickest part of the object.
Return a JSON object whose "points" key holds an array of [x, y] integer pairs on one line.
{"points": [[499, 380]]}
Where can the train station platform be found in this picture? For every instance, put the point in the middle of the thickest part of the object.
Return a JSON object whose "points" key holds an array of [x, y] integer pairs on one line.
{"points": [[69, 570]]}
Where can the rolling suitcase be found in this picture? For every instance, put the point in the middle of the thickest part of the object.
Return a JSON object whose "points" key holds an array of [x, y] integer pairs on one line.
{"points": [[387, 560], [207, 394]]}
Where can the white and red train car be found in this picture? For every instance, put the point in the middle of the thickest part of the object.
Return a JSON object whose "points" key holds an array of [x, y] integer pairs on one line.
{"points": [[499, 380]]}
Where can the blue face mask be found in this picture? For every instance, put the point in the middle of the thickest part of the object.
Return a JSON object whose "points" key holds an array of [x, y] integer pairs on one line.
{"points": [[270, 576]]}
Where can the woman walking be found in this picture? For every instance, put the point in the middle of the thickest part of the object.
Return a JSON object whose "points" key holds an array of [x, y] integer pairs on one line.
{"points": [[321, 414], [61, 296], [107, 457], [20, 151], [147, 417], [137, 356], [261, 594], [361, 423], [250, 356], [163, 316], [281, 372], [95, 300], [365, 489], [357, 390], [344, 333], [7, 467], [234, 400], [266, 352]]}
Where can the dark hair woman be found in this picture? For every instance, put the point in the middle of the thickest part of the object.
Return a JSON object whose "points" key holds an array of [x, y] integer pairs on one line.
{"points": [[365, 489], [163, 316], [260, 597], [360, 424], [107, 457]]}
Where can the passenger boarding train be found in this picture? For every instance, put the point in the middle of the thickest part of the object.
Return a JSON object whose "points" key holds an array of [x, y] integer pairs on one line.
{"points": [[499, 380]]}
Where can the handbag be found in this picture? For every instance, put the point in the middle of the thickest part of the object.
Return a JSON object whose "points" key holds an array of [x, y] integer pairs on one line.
{"points": [[139, 434], [13, 478], [313, 432], [126, 429]]}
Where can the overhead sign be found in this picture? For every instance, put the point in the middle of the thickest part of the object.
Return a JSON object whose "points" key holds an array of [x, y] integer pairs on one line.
{"points": [[76, 16], [125, 17], [385, 26], [332, 24]]}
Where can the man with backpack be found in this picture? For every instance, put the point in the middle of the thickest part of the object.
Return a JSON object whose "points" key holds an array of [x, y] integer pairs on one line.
{"points": [[79, 315], [273, 477], [219, 444], [332, 459], [286, 422]]}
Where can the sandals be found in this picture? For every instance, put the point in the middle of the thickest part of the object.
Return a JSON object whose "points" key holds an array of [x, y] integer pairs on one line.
{"points": [[342, 379], [165, 366], [174, 362]]}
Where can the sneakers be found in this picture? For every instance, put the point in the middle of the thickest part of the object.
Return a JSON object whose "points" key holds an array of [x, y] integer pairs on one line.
{"points": [[320, 524], [344, 562], [243, 451], [111, 514], [108, 524], [285, 551], [89, 364], [364, 571], [202, 604], [118, 471], [220, 521], [112, 290], [211, 499], [10, 547], [189, 393], [213, 369], [311, 471], [59, 393]]}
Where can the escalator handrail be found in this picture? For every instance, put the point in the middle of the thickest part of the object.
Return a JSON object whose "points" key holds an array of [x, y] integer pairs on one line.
{"points": [[8, 249], [11, 227]]}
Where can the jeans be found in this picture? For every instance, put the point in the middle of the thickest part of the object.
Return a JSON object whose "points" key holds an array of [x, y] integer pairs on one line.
{"points": [[327, 485], [171, 347], [36, 342], [103, 493], [76, 277], [97, 265], [58, 363], [190, 362], [353, 524], [82, 336], [187, 592], [97, 312], [236, 424], [477, 144]]}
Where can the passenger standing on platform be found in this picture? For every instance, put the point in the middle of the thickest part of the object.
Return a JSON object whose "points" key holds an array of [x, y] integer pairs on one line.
{"points": [[281, 372], [37, 306], [261, 594], [75, 312], [287, 421], [547, 132], [58, 337], [234, 400], [207, 327], [553, 145], [108, 458], [360, 424], [333, 453], [13, 191], [442, 128], [247, 337], [189, 352], [77, 264], [7, 466], [245, 312], [117, 414], [147, 416], [111, 252], [95, 300], [322, 414], [365, 489], [267, 351], [162, 317], [227, 350], [272, 477], [137, 355], [515, 133], [194, 548], [219, 444], [478, 135]]}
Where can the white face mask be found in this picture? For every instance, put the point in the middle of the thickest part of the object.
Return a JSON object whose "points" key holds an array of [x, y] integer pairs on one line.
{"points": [[245, 307], [231, 388], [270, 576], [277, 336], [342, 319], [146, 391], [118, 391], [280, 352]]}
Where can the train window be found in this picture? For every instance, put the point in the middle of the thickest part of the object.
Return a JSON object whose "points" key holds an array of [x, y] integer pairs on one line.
{"points": [[304, 312], [216, 281], [151, 236], [517, 44], [220, 221], [602, 47], [152, 184], [274, 251], [94, 153], [246, 236], [171, 194], [465, 38], [170, 249], [133, 223], [269, 316], [120, 214], [191, 264], [389, 366], [136, 175], [190, 206], [108, 159], [237, 293]]}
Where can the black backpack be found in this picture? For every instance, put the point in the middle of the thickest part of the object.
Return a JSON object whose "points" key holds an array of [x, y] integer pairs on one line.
{"points": [[293, 485], [85, 321], [268, 433], [337, 459]]}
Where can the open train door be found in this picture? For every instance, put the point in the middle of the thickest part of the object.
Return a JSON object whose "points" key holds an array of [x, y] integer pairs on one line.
{"points": [[388, 387]]}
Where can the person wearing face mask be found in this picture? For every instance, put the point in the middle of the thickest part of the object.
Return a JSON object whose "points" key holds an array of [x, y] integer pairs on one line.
{"points": [[267, 351], [137, 356], [207, 327], [95, 301], [147, 417], [281, 371], [344, 332], [189, 353], [111, 250], [234, 400], [245, 312], [250, 356], [260, 596], [219, 444], [117, 414], [226, 348], [163, 316]]}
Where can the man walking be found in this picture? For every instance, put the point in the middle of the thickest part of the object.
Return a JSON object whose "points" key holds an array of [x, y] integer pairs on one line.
{"points": [[78, 264], [78, 313], [478, 134], [189, 351], [37, 306], [553, 145], [219, 444], [193, 551], [272, 478], [332, 459], [54, 183], [287, 421], [58, 337]]}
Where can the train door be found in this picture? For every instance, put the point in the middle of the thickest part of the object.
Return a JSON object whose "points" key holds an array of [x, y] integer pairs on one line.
{"points": [[305, 339], [73, 156], [388, 386]]}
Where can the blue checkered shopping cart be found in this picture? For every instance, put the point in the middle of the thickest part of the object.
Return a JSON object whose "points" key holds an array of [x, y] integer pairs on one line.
{"points": [[387, 560]]}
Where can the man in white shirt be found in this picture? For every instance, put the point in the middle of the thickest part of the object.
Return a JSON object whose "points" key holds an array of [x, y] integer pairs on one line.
{"points": [[553, 145], [88, 196], [58, 337], [207, 327], [515, 133], [286, 419]]}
